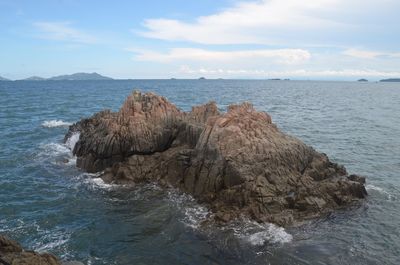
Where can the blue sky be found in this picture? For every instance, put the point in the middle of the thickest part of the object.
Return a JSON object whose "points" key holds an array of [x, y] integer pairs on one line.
{"points": [[308, 39]]}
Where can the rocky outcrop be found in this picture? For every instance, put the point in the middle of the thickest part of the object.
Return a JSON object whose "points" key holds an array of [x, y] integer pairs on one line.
{"points": [[238, 162], [11, 253], [144, 125]]}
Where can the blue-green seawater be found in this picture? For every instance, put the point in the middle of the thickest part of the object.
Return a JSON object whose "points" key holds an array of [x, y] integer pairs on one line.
{"points": [[50, 205]]}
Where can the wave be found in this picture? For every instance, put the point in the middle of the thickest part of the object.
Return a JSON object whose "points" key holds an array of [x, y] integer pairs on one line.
{"points": [[259, 234], [380, 190], [8, 226], [97, 260], [55, 123], [270, 233], [52, 241], [54, 149], [72, 140], [43, 240], [373, 187], [53, 152], [194, 214], [94, 182], [98, 182]]}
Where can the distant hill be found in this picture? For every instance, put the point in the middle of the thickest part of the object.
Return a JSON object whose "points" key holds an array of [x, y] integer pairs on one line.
{"points": [[4, 79], [390, 80], [362, 80], [34, 78], [80, 76]]}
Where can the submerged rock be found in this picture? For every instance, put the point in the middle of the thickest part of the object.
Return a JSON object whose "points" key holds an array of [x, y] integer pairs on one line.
{"points": [[238, 163]]}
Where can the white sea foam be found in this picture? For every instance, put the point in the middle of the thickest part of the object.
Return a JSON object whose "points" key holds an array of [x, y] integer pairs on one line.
{"points": [[71, 141], [259, 234], [54, 149], [98, 182], [55, 123], [94, 182], [194, 213], [50, 240], [272, 234], [97, 260], [252, 232], [50, 151], [53, 152], [372, 187], [53, 243], [71, 161], [380, 190], [6, 227]]}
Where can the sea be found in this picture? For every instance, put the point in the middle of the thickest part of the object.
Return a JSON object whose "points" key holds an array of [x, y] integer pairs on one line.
{"points": [[49, 205]]}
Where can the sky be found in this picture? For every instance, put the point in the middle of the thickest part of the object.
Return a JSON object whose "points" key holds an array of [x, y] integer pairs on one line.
{"points": [[307, 39]]}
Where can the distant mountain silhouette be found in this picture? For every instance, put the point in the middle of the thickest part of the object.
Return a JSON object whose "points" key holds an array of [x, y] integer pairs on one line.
{"points": [[34, 78], [80, 76], [4, 79], [390, 80]]}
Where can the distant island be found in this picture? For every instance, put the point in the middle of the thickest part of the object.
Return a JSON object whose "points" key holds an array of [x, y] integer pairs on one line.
{"points": [[34, 78], [80, 76], [72, 77], [362, 80], [4, 79], [202, 78], [390, 80]]}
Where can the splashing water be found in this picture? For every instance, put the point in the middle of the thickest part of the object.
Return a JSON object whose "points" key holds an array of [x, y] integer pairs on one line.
{"points": [[55, 123], [71, 141]]}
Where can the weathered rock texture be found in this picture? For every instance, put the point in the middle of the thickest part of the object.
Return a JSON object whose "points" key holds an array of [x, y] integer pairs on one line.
{"points": [[11, 253], [238, 162]]}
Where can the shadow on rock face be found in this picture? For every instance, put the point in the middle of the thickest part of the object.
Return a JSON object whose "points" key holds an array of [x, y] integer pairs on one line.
{"points": [[238, 163]]}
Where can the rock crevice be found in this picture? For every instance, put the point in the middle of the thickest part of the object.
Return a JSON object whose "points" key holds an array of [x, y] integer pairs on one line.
{"points": [[238, 162]]}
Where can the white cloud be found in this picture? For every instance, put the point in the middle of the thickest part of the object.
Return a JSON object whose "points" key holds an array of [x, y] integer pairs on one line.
{"points": [[276, 22], [283, 63], [353, 73], [245, 22], [367, 54], [63, 31], [280, 56]]}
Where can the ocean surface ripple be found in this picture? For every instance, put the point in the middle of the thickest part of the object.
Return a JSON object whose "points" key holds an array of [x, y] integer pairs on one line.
{"points": [[49, 205]]}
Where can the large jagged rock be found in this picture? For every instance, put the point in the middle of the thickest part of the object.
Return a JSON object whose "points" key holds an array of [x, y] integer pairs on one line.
{"points": [[144, 125], [11, 253], [238, 163]]}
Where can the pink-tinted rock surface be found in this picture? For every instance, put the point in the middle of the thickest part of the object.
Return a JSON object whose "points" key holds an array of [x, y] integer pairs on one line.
{"points": [[238, 163]]}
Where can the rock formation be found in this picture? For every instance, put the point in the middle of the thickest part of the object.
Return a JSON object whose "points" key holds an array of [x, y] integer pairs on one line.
{"points": [[11, 253], [238, 163]]}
